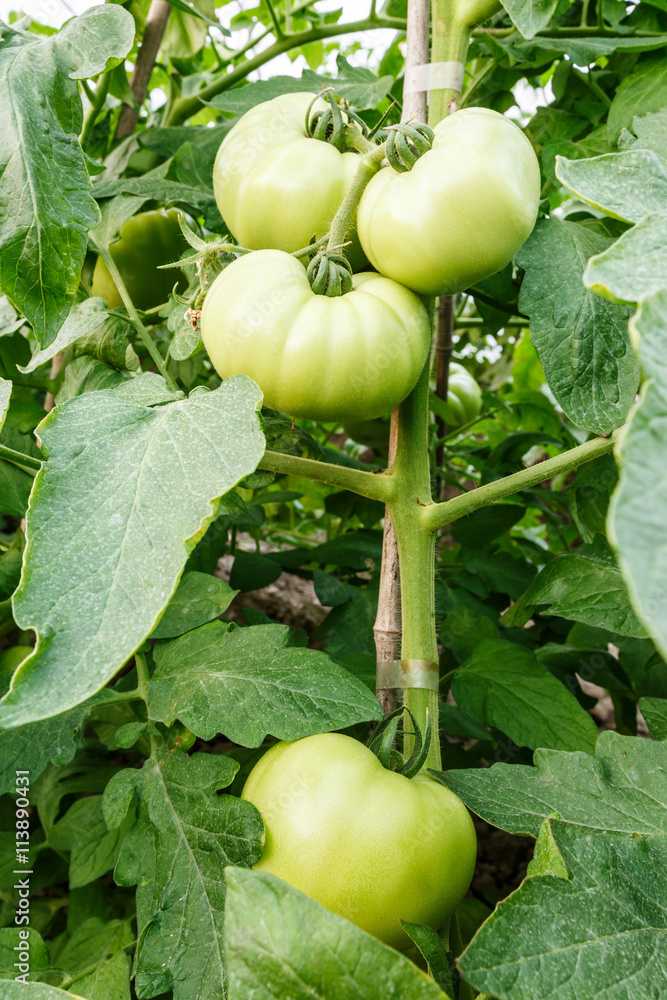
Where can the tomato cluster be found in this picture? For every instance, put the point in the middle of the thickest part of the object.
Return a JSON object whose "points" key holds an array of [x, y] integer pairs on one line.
{"points": [[459, 215]]}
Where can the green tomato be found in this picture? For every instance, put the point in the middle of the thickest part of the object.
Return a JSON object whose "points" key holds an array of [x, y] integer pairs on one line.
{"points": [[464, 397], [353, 357], [368, 844], [461, 213], [146, 241], [13, 658], [373, 433], [275, 187]]}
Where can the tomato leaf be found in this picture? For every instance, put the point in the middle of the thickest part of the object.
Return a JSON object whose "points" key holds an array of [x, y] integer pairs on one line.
{"points": [[622, 789], [300, 950], [637, 510], [586, 586], [582, 340], [432, 948], [46, 202], [626, 186], [530, 16], [635, 266], [200, 598], [184, 836], [129, 488], [596, 932], [248, 683], [504, 685], [644, 90], [654, 711]]}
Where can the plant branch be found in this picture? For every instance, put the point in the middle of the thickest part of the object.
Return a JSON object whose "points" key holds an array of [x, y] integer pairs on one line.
{"points": [[145, 336], [438, 515], [376, 486], [26, 462], [143, 677], [185, 107], [156, 22], [99, 97], [369, 164], [277, 27]]}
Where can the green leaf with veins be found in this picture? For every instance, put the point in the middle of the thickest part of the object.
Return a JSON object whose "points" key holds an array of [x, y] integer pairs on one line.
{"points": [[651, 132], [600, 932], [654, 711], [176, 852], [627, 186], [635, 266], [91, 943], [9, 945], [582, 340], [83, 832], [585, 586], [622, 789], [249, 683], [504, 685], [530, 16], [84, 318], [299, 950], [200, 598], [33, 746], [646, 88], [46, 202], [129, 488]]}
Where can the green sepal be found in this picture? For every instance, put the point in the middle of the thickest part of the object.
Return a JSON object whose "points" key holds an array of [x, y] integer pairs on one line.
{"points": [[382, 740], [406, 143], [330, 274], [329, 125]]}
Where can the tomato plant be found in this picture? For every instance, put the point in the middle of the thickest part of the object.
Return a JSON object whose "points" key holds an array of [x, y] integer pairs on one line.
{"points": [[277, 187], [147, 240], [461, 213], [349, 357], [365, 842], [206, 586]]}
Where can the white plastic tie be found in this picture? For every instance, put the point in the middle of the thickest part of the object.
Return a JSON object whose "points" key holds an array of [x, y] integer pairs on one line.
{"points": [[408, 674], [434, 76]]}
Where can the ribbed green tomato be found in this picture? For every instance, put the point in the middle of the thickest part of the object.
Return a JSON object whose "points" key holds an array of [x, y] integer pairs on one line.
{"points": [[275, 187], [368, 844], [146, 241], [351, 357], [461, 213], [464, 397]]}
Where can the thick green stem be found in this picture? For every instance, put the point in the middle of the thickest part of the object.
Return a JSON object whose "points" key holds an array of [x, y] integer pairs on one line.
{"points": [[416, 551], [188, 106], [438, 515], [369, 164], [25, 462], [376, 486]]}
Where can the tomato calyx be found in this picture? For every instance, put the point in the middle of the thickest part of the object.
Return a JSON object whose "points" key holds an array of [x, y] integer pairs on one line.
{"points": [[405, 143], [328, 125], [382, 741], [329, 273]]}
